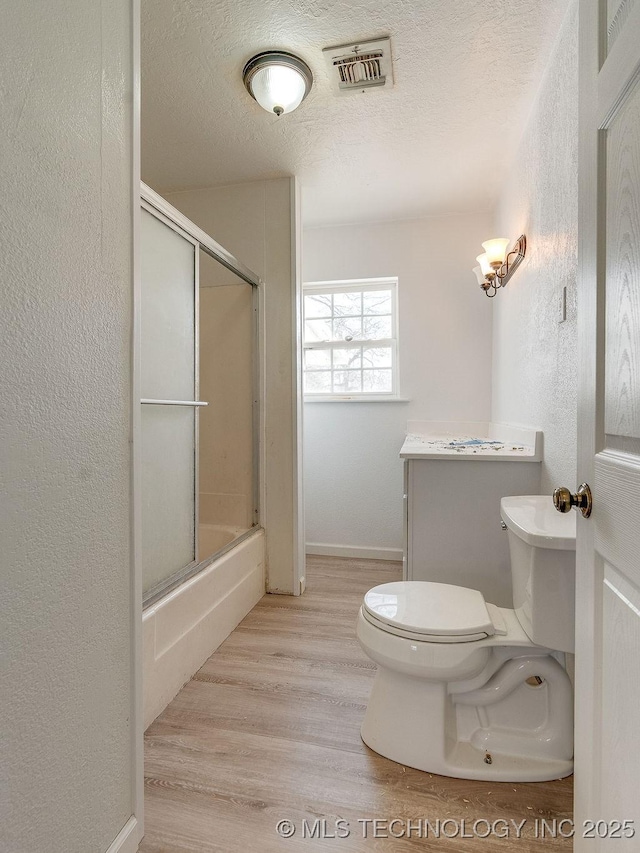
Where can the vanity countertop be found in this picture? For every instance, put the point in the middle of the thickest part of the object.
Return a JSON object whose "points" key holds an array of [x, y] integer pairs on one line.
{"points": [[477, 441]]}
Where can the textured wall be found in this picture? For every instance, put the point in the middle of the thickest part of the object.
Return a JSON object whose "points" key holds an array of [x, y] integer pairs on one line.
{"points": [[353, 476], [534, 357], [254, 222], [65, 609]]}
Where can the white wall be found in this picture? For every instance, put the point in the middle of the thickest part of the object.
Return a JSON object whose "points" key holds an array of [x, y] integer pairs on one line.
{"points": [[534, 357], [66, 608], [353, 476], [255, 221]]}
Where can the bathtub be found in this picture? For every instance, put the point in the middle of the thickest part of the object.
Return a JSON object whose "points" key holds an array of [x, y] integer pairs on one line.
{"points": [[214, 537], [185, 626]]}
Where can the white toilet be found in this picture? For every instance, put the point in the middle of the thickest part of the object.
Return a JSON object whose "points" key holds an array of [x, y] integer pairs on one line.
{"points": [[468, 689]]}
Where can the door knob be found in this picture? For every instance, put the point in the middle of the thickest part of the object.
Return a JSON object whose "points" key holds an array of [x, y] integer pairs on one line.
{"points": [[563, 500]]}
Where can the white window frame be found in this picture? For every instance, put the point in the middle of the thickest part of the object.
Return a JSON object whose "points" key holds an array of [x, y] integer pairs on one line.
{"points": [[357, 285]]}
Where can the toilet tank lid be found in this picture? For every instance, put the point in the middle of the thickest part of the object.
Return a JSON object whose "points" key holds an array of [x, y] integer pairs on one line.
{"points": [[535, 520]]}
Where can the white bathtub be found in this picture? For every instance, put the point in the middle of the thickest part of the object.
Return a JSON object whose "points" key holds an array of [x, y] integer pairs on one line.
{"points": [[214, 537], [184, 627]]}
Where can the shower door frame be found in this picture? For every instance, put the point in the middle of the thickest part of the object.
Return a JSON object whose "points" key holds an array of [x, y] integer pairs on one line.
{"points": [[168, 215]]}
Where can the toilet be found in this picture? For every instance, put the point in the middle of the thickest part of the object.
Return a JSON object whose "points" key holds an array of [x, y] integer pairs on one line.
{"points": [[465, 688]]}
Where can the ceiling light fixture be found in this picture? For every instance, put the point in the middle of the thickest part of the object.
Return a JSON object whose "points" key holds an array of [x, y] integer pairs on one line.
{"points": [[277, 80], [496, 265]]}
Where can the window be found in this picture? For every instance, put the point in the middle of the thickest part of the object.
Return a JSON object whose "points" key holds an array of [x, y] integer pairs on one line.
{"points": [[350, 339]]}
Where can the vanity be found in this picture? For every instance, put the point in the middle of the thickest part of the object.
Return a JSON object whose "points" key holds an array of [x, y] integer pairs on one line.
{"points": [[454, 476]]}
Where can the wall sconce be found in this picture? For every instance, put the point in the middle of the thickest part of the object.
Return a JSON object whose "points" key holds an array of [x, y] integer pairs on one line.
{"points": [[496, 265], [277, 80]]}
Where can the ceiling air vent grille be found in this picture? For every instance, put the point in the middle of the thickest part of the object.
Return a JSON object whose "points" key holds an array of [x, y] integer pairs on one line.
{"points": [[358, 67], [364, 68]]}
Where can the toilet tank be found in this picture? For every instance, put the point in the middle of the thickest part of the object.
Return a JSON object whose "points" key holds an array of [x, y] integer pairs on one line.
{"points": [[542, 550]]}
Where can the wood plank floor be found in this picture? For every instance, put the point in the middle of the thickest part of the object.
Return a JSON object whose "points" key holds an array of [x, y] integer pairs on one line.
{"points": [[268, 730]]}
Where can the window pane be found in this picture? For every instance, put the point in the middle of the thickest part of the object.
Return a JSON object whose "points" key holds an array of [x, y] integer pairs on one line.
{"points": [[318, 305], [335, 326], [378, 381], [317, 330], [376, 357], [351, 357], [317, 359], [376, 302], [317, 382], [346, 381], [347, 328], [377, 327], [347, 304]]}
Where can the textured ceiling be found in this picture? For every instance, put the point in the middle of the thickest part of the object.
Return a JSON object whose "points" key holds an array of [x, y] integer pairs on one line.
{"points": [[436, 142]]}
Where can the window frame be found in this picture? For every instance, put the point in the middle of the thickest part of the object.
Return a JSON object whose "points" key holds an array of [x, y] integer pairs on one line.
{"points": [[360, 285]]}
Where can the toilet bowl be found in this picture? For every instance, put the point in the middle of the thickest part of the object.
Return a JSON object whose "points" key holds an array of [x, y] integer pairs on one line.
{"points": [[468, 689]]}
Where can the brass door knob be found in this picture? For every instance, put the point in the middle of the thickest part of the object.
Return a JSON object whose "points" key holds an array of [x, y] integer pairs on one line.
{"points": [[563, 500]]}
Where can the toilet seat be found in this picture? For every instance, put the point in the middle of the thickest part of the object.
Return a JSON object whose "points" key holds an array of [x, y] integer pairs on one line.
{"points": [[431, 612]]}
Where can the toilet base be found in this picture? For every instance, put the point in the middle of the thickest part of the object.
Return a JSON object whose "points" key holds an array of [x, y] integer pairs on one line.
{"points": [[420, 724]]}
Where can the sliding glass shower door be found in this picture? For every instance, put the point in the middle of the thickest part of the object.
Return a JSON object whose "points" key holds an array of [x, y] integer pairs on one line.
{"points": [[169, 395], [198, 458], [226, 461]]}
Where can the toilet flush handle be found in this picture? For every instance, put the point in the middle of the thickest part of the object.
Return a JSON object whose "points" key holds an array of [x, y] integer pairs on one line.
{"points": [[563, 500]]}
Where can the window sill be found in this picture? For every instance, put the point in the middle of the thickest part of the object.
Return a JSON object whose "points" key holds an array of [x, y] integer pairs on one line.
{"points": [[358, 399]]}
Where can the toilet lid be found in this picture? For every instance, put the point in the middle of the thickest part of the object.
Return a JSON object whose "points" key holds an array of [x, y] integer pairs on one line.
{"points": [[433, 609]]}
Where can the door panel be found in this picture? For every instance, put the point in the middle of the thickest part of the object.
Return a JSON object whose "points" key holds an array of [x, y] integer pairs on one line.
{"points": [[620, 703], [617, 13], [607, 768], [622, 384], [616, 517]]}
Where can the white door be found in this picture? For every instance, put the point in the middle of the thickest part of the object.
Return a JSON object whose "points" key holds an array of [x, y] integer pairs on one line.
{"points": [[607, 774]]}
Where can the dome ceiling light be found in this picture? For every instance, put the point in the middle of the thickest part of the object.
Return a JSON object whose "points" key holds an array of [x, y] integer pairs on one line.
{"points": [[277, 80]]}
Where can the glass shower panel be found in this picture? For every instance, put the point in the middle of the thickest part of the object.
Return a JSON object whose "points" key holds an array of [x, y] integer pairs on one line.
{"points": [[168, 378], [227, 454], [168, 491], [167, 312]]}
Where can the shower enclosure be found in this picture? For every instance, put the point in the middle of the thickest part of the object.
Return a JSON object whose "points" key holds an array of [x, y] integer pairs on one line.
{"points": [[199, 399]]}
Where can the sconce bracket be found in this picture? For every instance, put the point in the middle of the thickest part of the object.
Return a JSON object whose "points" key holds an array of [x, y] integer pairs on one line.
{"points": [[513, 260]]}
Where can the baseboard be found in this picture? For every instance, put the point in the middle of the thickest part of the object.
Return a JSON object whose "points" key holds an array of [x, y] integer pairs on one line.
{"points": [[184, 628], [355, 551], [127, 840]]}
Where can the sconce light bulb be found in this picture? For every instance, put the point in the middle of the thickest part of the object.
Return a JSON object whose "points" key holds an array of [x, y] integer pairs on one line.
{"points": [[496, 251], [485, 266], [477, 271]]}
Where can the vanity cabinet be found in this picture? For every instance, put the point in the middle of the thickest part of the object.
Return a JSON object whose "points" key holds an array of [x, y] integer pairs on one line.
{"points": [[452, 525]]}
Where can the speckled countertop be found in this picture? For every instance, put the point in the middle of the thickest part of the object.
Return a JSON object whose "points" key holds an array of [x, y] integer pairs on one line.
{"points": [[438, 445]]}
